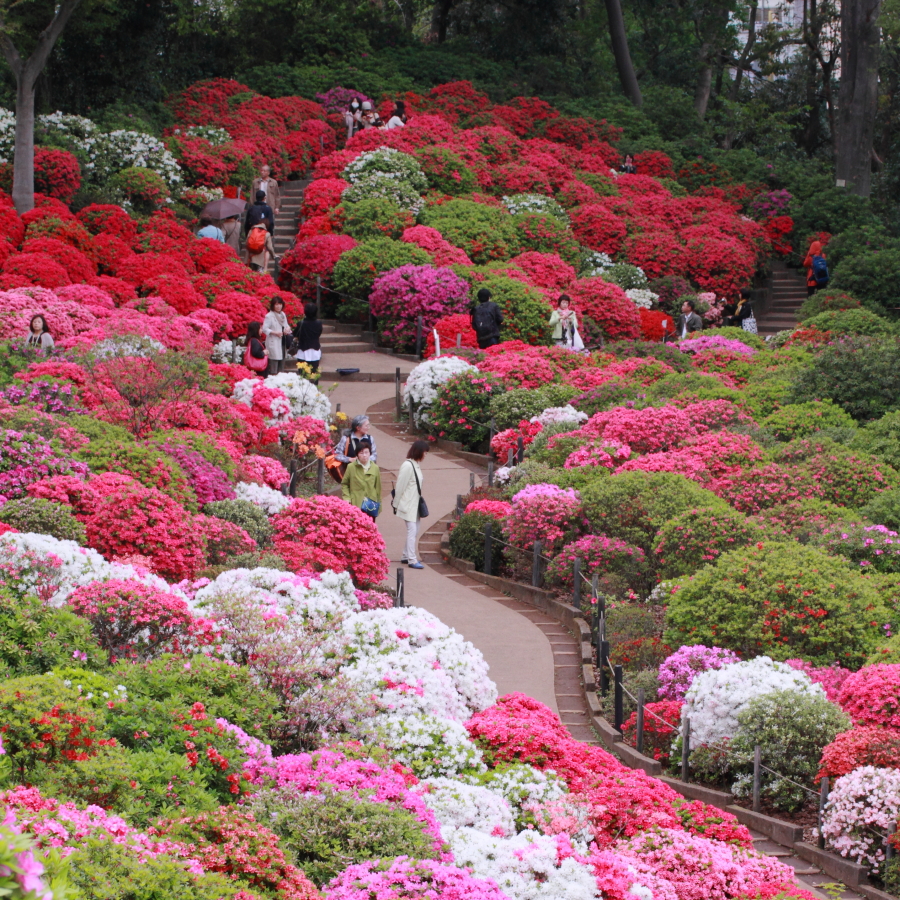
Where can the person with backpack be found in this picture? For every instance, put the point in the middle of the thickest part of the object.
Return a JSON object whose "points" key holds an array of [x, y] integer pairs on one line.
{"points": [[486, 320], [361, 486], [816, 268], [259, 248], [260, 213]]}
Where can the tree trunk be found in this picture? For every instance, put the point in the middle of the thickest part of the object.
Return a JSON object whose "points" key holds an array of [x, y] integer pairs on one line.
{"points": [[742, 65], [26, 74], [620, 51], [857, 95], [440, 19], [704, 87]]}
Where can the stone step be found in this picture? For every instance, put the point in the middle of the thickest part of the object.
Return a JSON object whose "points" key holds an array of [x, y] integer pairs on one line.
{"points": [[359, 347]]}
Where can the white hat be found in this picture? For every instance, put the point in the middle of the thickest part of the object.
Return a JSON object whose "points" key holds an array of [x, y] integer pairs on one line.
{"points": [[366, 104]]}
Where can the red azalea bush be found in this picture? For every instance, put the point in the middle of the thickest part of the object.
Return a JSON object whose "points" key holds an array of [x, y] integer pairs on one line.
{"points": [[662, 721], [315, 256], [597, 227], [603, 555], [223, 539], [335, 525], [57, 173], [871, 696], [241, 309], [546, 270], [322, 195], [865, 745], [37, 268], [131, 620], [545, 513], [452, 329], [608, 308], [441, 251]]}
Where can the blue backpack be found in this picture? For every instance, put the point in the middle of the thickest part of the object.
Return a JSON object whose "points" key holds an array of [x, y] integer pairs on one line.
{"points": [[820, 270]]}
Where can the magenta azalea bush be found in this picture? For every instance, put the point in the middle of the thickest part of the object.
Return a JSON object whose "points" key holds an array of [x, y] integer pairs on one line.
{"points": [[678, 671], [545, 513], [401, 295]]}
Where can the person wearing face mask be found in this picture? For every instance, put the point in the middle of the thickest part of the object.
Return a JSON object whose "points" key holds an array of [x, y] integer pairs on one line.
{"points": [[361, 486], [368, 115], [353, 117]]}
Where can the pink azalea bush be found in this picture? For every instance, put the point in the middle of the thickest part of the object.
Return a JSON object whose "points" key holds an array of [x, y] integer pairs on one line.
{"points": [[601, 554], [546, 513], [678, 671], [497, 509], [871, 696]]}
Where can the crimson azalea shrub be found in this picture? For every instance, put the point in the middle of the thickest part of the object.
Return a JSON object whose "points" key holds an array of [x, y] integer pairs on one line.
{"points": [[461, 411], [662, 719], [131, 620], [337, 527], [606, 312], [598, 228], [483, 232], [131, 519], [697, 537], [781, 600], [871, 696], [863, 745], [241, 309], [403, 294], [223, 539], [618, 564]]}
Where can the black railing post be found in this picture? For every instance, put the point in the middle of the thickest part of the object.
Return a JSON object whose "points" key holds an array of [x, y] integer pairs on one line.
{"points": [[617, 697], [490, 473], [320, 476], [536, 564], [685, 748], [576, 583], [401, 588], [471, 481], [397, 393], [639, 730], [292, 482], [488, 548], [520, 449], [603, 652], [823, 799], [419, 322], [319, 296], [459, 505]]}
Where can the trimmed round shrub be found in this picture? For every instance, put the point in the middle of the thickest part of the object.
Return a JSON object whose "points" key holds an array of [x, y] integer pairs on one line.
{"points": [[545, 513], [224, 539], [621, 567], [467, 540], [484, 232], [376, 217], [510, 408], [884, 509], [698, 537], [541, 233], [850, 321], [798, 420], [526, 312], [880, 438], [606, 312], [446, 172], [826, 301], [43, 517], [356, 270], [870, 547], [633, 506], [864, 745], [245, 515], [386, 161], [781, 600], [870, 277], [461, 411], [598, 228]]}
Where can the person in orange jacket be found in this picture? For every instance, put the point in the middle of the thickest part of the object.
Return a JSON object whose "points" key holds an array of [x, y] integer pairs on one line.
{"points": [[812, 284]]}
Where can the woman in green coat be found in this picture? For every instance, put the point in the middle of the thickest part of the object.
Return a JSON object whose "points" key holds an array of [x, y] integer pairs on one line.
{"points": [[362, 480]]}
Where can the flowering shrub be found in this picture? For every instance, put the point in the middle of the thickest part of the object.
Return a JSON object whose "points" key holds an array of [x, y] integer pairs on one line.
{"points": [[330, 522], [678, 671], [871, 696], [661, 722], [602, 555], [496, 509], [546, 513], [461, 410], [425, 380], [482, 232], [400, 296], [26, 458]]}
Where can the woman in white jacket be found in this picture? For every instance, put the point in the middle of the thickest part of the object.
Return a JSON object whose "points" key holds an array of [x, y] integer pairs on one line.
{"points": [[406, 499], [275, 325]]}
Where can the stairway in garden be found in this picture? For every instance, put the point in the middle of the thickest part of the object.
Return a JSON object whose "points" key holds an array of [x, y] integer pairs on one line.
{"points": [[287, 221], [788, 294], [340, 337]]}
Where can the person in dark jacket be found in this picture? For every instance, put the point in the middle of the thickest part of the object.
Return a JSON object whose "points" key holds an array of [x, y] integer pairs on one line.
{"points": [[689, 321], [742, 310], [486, 320], [308, 332], [260, 212], [254, 341]]}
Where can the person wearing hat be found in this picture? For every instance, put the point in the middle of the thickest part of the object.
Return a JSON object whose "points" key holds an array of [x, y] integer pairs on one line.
{"points": [[368, 115], [260, 214], [269, 186]]}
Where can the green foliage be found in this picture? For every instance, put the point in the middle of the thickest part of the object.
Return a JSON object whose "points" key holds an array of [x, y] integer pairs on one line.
{"points": [[484, 232], [327, 832], [467, 540], [884, 509], [446, 172], [797, 420], [534, 472], [697, 537], [634, 631], [523, 403], [791, 729], [374, 218], [666, 353], [545, 233], [830, 209], [102, 870], [36, 637], [850, 321], [602, 184], [146, 464], [633, 506], [142, 189], [198, 442], [98, 430], [782, 600], [43, 517], [626, 277], [870, 277], [244, 514], [465, 416], [695, 385], [860, 374], [357, 269], [881, 439], [800, 520], [826, 300], [563, 445], [526, 313], [226, 691]]}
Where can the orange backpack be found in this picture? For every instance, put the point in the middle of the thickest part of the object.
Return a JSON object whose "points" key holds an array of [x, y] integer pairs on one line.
{"points": [[256, 240]]}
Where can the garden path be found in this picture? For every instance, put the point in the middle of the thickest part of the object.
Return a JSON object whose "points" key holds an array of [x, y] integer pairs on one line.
{"points": [[526, 650]]}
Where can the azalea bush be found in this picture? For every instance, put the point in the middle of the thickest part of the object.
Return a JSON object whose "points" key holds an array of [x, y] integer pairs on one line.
{"points": [[461, 409]]}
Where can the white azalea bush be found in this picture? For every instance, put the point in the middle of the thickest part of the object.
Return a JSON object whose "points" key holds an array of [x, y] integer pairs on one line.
{"points": [[428, 745], [456, 804], [304, 397], [535, 203], [522, 785], [109, 153], [267, 499], [642, 297], [594, 263], [560, 415], [716, 697], [426, 378], [389, 163]]}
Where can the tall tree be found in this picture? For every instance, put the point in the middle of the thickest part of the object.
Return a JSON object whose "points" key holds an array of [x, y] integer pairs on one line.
{"points": [[26, 73], [857, 95], [620, 50]]}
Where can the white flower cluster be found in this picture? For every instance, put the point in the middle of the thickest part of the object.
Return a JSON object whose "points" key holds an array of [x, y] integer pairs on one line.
{"points": [[305, 398], [267, 499], [526, 866], [279, 407], [641, 297], [535, 203], [385, 187], [428, 745], [456, 804], [716, 697], [111, 152], [7, 135], [124, 345], [386, 161], [223, 352], [595, 263], [861, 805], [423, 383], [316, 601], [210, 133], [560, 415], [521, 784], [198, 195]]}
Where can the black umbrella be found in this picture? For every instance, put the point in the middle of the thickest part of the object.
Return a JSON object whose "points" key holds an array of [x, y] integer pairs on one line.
{"points": [[224, 209]]}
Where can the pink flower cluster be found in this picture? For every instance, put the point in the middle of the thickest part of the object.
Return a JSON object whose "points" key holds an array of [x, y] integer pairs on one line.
{"points": [[498, 509], [678, 671], [546, 513]]}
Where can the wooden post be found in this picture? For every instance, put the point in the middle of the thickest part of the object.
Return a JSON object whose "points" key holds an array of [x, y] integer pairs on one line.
{"points": [[685, 748], [491, 434], [410, 427], [471, 481], [397, 393], [490, 473], [419, 322], [401, 588], [757, 777], [576, 583], [292, 481], [319, 296], [536, 565], [823, 798], [520, 451], [617, 698], [510, 457], [320, 476], [639, 731], [458, 339], [488, 548]]}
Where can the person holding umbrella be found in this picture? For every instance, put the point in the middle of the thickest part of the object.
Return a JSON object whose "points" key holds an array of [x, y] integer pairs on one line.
{"points": [[228, 212]]}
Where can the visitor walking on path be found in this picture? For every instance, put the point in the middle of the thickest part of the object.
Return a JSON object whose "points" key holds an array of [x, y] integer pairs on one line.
{"points": [[260, 214], [564, 324], [362, 481], [308, 334], [269, 187], [486, 320], [231, 228], [276, 328], [208, 229], [408, 499], [39, 337], [816, 268], [259, 248]]}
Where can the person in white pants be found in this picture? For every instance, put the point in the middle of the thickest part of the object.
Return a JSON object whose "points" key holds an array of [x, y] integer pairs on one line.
{"points": [[406, 499]]}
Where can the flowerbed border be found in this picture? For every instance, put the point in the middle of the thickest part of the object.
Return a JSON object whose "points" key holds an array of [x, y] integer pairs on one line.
{"points": [[789, 836]]}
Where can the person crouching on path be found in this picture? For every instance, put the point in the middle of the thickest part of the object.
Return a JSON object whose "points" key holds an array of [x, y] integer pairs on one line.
{"points": [[362, 480], [406, 499]]}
